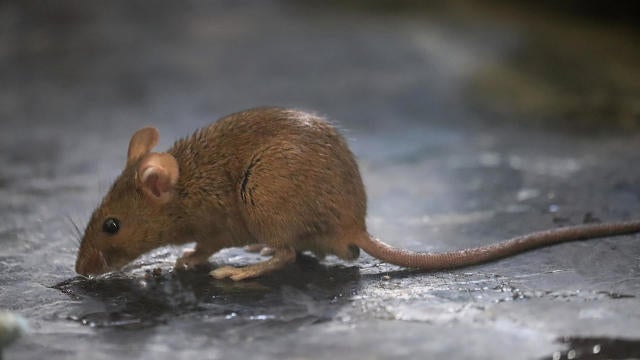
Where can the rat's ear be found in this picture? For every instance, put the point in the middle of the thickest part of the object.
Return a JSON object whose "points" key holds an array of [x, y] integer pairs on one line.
{"points": [[157, 176], [142, 142]]}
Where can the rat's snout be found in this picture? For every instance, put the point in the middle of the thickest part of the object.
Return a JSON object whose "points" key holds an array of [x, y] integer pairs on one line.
{"points": [[91, 262]]}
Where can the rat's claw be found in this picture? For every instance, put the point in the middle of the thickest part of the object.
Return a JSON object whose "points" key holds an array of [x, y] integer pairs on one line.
{"points": [[225, 272], [281, 257], [244, 275], [235, 274]]}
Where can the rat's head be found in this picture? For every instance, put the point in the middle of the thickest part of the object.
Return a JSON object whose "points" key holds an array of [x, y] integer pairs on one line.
{"points": [[132, 218]]}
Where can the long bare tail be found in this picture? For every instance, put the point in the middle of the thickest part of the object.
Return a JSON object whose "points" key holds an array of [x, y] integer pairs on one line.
{"points": [[461, 258]]}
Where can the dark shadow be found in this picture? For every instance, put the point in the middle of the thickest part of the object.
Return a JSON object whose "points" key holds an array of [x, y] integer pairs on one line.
{"points": [[306, 291], [594, 348]]}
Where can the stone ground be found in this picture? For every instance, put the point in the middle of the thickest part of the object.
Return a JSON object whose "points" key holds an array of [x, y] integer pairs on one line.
{"points": [[471, 124]]}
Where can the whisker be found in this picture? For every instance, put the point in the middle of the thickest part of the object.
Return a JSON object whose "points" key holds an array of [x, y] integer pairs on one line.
{"points": [[78, 238]]}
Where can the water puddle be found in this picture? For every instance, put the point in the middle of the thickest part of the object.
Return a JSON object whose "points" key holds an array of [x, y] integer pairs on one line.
{"points": [[593, 348], [306, 290]]}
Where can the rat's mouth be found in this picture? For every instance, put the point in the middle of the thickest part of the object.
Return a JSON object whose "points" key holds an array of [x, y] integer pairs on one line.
{"points": [[92, 262]]}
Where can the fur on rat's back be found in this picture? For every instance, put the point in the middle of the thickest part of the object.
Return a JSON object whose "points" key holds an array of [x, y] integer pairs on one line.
{"points": [[274, 176]]}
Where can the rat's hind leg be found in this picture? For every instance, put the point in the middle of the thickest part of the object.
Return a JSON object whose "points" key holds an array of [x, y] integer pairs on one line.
{"points": [[281, 257]]}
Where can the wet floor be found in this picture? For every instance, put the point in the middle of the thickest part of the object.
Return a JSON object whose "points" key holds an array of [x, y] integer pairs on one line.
{"points": [[470, 125]]}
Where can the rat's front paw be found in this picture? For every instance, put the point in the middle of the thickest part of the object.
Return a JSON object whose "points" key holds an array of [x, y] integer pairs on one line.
{"points": [[189, 260], [233, 273]]}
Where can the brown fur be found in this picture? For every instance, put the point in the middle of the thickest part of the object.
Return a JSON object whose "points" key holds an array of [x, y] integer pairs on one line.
{"points": [[270, 176], [274, 176]]}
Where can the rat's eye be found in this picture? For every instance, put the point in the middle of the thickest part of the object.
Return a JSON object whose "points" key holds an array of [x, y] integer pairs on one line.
{"points": [[111, 226]]}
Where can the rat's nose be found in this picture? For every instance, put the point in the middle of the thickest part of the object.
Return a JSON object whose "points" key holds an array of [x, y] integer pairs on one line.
{"points": [[91, 262]]}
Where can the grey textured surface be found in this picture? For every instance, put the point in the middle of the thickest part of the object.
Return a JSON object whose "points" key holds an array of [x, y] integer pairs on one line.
{"points": [[468, 129]]}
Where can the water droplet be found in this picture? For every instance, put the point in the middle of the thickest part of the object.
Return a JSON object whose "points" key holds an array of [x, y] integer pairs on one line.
{"points": [[571, 354], [596, 349], [527, 193], [556, 355], [230, 315]]}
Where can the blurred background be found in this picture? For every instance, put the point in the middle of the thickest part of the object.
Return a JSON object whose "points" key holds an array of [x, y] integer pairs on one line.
{"points": [[411, 83], [565, 65], [471, 120]]}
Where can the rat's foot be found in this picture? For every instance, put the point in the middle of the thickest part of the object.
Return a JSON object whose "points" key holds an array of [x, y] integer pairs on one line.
{"points": [[263, 249], [254, 248], [280, 259], [190, 259], [267, 251]]}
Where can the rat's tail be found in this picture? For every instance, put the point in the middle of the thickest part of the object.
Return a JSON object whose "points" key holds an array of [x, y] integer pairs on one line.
{"points": [[461, 258]]}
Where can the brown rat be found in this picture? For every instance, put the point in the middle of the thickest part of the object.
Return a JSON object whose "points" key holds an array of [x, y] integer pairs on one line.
{"points": [[272, 176]]}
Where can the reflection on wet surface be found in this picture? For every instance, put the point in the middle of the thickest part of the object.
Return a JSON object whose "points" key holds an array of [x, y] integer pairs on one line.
{"points": [[306, 290]]}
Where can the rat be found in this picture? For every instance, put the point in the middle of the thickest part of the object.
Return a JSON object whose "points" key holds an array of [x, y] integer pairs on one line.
{"points": [[273, 176]]}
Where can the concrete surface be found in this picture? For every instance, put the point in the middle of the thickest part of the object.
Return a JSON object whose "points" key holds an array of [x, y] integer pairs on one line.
{"points": [[470, 125]]}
